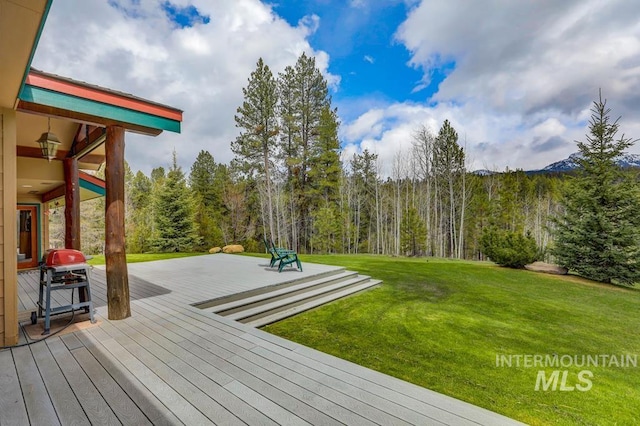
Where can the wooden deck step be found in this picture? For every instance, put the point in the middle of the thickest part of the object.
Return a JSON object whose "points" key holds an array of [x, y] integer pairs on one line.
{"points": [[310, 304], [279, 305], [212, 305], [276, 293]]}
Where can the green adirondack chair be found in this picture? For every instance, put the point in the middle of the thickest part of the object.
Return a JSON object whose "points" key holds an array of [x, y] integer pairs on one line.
{"points": [[281, 256]]}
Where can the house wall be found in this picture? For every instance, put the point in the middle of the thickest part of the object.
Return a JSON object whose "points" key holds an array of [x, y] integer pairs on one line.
{"points": [[8, 258]]}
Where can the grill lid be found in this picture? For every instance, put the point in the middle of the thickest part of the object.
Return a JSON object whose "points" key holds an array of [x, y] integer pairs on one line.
{"points": [[61, 257]]}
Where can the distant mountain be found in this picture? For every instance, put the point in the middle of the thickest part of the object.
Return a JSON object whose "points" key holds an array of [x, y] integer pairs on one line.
{"points": [[483, 172], [565, 165], [568, 164]]}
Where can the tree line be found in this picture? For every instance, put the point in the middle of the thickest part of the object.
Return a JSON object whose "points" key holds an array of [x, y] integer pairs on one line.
{"points": [[288, 182]]}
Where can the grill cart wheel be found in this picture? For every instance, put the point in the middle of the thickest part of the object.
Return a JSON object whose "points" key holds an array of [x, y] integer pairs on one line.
{"points": [[34, 317]]}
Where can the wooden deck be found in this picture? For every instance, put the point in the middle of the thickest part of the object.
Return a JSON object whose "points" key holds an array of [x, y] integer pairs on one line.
{"points": [[171, 363]]}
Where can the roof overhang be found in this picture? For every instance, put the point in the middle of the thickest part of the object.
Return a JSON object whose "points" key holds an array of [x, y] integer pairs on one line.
{"points": [[53, 95], [21, 23]]}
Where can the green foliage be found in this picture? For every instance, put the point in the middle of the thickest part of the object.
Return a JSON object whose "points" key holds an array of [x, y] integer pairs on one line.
{"points": [[202, 180], [326, 227], [362, 206], [598, 235], [508, 248], [207, 183], [413, 233], [448, 167], [140, 219], [308, 143], [256, 119], [174, 214], [255, 146], [325, 157]]}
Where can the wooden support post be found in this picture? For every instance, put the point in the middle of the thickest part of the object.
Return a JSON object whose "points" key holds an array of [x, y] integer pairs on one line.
{"points": [[117, 276], [71, 204]]}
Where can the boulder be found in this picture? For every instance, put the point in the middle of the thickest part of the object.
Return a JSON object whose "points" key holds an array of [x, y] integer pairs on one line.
{"points": [[233, 248], [546, 268], [215, 250]]}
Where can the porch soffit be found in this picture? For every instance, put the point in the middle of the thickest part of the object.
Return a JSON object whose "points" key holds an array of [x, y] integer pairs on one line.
{"points": [[20, 26]]}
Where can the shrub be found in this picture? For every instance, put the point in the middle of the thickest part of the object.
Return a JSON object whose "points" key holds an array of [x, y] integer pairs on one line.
{"points": [[510, 249]]}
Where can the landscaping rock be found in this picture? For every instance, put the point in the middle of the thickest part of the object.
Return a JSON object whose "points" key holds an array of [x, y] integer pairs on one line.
{"points": [[233, 248], [215, 250], [546, 268]]}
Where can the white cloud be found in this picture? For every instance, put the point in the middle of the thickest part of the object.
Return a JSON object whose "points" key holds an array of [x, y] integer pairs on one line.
{"points": [[528, 56], [525, 74], [201, 70], [491, 141], [369, 59], [368, 124]]}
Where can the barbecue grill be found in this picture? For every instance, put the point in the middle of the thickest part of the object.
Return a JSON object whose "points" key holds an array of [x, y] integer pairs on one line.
{"points": [[63, 269]]}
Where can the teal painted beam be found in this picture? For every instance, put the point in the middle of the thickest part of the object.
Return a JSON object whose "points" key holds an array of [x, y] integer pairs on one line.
{"points": [[50, 98], [92, 187]]}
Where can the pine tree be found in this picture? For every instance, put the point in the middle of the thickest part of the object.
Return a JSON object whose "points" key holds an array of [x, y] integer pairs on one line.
{"points": [[325, 157], [202, 179], [141, 219], [303, 98], [208, 199], [413, 233], [256, 117], [507, 248], [448, 167], [174, 214], [326, 229], [598, 235]]}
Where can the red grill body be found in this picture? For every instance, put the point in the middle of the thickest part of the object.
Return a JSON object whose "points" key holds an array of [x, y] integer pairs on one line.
{"points": [[63, 257], [63, 269]]}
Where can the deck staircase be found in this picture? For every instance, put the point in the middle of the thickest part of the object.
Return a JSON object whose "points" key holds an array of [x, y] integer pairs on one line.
{"points": [[266, 305]]}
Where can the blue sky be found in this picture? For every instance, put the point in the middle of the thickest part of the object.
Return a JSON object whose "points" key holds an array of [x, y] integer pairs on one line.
{"points": [[516, 79], [360, 39]]}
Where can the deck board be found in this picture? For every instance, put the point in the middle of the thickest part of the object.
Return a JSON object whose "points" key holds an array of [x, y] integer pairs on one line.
{"points": [[116, 398], [94, 406], [12, 408], [140, 395], [66, 404], [171, 363], [34, 392]]}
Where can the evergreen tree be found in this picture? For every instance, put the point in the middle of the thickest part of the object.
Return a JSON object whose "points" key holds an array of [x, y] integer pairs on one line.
{"points": [[208, 199], [326, 229], [507, 248], [413, 233], [598, 235], [448, 167], [202, 179], [325, 157], [256, 117], [141, 219], [174, 213], [364, 180], [304, 97]]}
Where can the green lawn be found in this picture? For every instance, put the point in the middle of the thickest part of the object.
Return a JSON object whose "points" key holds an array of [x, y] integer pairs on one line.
{"points": [[440, 324], [143, 257]]}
